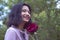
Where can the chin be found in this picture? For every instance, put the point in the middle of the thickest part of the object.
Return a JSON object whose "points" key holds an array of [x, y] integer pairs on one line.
{"points": [[26, 20]]}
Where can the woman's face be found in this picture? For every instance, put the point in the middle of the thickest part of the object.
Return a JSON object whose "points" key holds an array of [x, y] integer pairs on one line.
{"points": [[25, 13]]}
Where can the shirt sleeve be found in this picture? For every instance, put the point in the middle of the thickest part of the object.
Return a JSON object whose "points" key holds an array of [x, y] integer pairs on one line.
{"points": [[10, 35]]}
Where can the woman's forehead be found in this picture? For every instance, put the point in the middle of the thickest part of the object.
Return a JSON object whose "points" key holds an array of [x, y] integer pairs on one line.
{"points": [[25, 7]]}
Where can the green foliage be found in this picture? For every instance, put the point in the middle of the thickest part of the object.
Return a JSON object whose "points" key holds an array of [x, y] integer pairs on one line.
{"points": [[44, 14], [2, 32]]}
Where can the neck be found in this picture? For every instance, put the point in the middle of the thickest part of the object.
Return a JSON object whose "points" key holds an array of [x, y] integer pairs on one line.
{"points": [[21, 26]]}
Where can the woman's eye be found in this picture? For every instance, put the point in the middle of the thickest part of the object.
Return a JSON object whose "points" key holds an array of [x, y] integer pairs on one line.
{"points": [[23, 10], [28, 11]]}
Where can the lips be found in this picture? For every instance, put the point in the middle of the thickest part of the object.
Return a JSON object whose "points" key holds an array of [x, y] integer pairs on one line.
{"points": [[27, 17]]}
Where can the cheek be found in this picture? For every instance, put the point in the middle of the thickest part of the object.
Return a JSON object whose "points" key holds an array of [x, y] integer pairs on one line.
{"points": [[22, 14]]}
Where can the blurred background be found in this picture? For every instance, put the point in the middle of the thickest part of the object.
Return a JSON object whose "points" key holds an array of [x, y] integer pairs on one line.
{"points": [[46, 13]]}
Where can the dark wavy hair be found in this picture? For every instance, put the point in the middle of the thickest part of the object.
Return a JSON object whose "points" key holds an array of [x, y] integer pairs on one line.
{"points": [[14, 17]]}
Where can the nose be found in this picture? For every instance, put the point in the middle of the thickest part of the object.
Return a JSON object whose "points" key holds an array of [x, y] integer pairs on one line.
{"points": [[28, 14]]}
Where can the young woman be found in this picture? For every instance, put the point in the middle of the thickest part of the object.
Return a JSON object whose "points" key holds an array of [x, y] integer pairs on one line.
{"points": [[18, 21]]}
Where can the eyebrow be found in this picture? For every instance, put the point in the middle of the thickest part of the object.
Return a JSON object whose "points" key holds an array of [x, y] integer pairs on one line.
{"points": [[24, 9]]}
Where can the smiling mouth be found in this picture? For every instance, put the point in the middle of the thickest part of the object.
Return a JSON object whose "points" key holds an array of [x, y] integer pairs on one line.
{"points": [[26, 17]]}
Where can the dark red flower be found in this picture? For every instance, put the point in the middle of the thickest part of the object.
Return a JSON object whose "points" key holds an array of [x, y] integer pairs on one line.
{"points": [[32, 27]]}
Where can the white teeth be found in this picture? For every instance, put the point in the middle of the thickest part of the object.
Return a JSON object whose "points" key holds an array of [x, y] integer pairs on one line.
{"points": [[25, 16]]}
